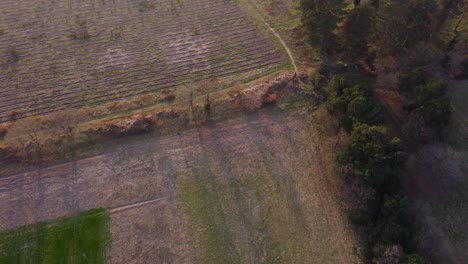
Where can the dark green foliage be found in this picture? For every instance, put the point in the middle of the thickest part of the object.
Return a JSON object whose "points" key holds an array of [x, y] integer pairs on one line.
{"points": [[394, 206], [430, 101], [328, 69], [401, 24], [356, 105], [83, 238], [356, 32], [374, 155], [409, 81], [359, 218], [320, 18], [364, 110], [432, 89], [413, 259], [326, 72], [432, 104], [388, 231]]}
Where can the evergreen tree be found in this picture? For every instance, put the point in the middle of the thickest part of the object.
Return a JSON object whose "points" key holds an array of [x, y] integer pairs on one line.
{"points": [[374, 155], [320, 18], [401, 24]]}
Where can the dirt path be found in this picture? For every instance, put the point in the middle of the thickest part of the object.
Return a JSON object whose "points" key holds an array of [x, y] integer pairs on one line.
{"points": [[291, 58]]}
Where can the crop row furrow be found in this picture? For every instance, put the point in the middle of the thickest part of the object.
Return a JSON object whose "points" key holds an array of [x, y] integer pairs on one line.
{"points": [[155, 82], [73, 92], [234, 70], [253, 49]]}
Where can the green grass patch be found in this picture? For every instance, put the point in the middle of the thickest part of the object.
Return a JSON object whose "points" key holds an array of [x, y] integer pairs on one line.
{"points": [[82, 238], [205, 209]]}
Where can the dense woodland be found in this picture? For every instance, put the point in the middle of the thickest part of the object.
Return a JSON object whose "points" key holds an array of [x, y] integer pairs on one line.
{"points": [[370, 50]]}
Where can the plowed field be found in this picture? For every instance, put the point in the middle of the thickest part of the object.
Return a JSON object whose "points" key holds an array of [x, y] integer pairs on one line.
{"points": [[68, 54]]}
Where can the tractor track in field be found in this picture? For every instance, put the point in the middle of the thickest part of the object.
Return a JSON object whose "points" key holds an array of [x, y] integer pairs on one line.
{"points": [[122, 208]]}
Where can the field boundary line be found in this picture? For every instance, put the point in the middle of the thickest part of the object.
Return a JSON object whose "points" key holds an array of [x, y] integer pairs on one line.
{"points": [[134, 205]]}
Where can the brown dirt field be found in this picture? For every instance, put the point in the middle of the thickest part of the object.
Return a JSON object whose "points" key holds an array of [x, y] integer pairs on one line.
{"points": [[254, 189]]}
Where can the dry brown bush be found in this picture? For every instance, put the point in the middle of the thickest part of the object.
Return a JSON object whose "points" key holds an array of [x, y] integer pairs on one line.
{"points": [[120, 106], [144, 100], [133, 125], [54, 123], [40, 138], [98, 111], [206, 86], [4, 128], [390, 254], [236, 90], [252, 100], [270, 98], [167, 95], [266, 93], [8, 153]]}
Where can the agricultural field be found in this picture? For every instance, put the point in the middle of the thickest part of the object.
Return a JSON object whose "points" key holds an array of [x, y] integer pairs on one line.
{"points": [[252, 189], [216, 179], [56, 55], [82, 238]]}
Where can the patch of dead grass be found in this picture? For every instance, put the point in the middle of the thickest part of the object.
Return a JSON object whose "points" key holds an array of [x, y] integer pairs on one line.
{"points": [[119, 106]]}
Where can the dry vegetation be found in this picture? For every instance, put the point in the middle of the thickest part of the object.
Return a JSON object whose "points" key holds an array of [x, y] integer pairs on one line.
{"points": [[55, 136]]}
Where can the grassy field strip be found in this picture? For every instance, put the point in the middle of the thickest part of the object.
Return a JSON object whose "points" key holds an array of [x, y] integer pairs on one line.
{"points": [[286, 243], [253, 193], [83, 238], [199, 198], [292, 144], [322, 170], [251, 245]]}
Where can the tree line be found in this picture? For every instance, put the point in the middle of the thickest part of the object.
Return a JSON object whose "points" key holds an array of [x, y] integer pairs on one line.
{"points": [[390, 45]]}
